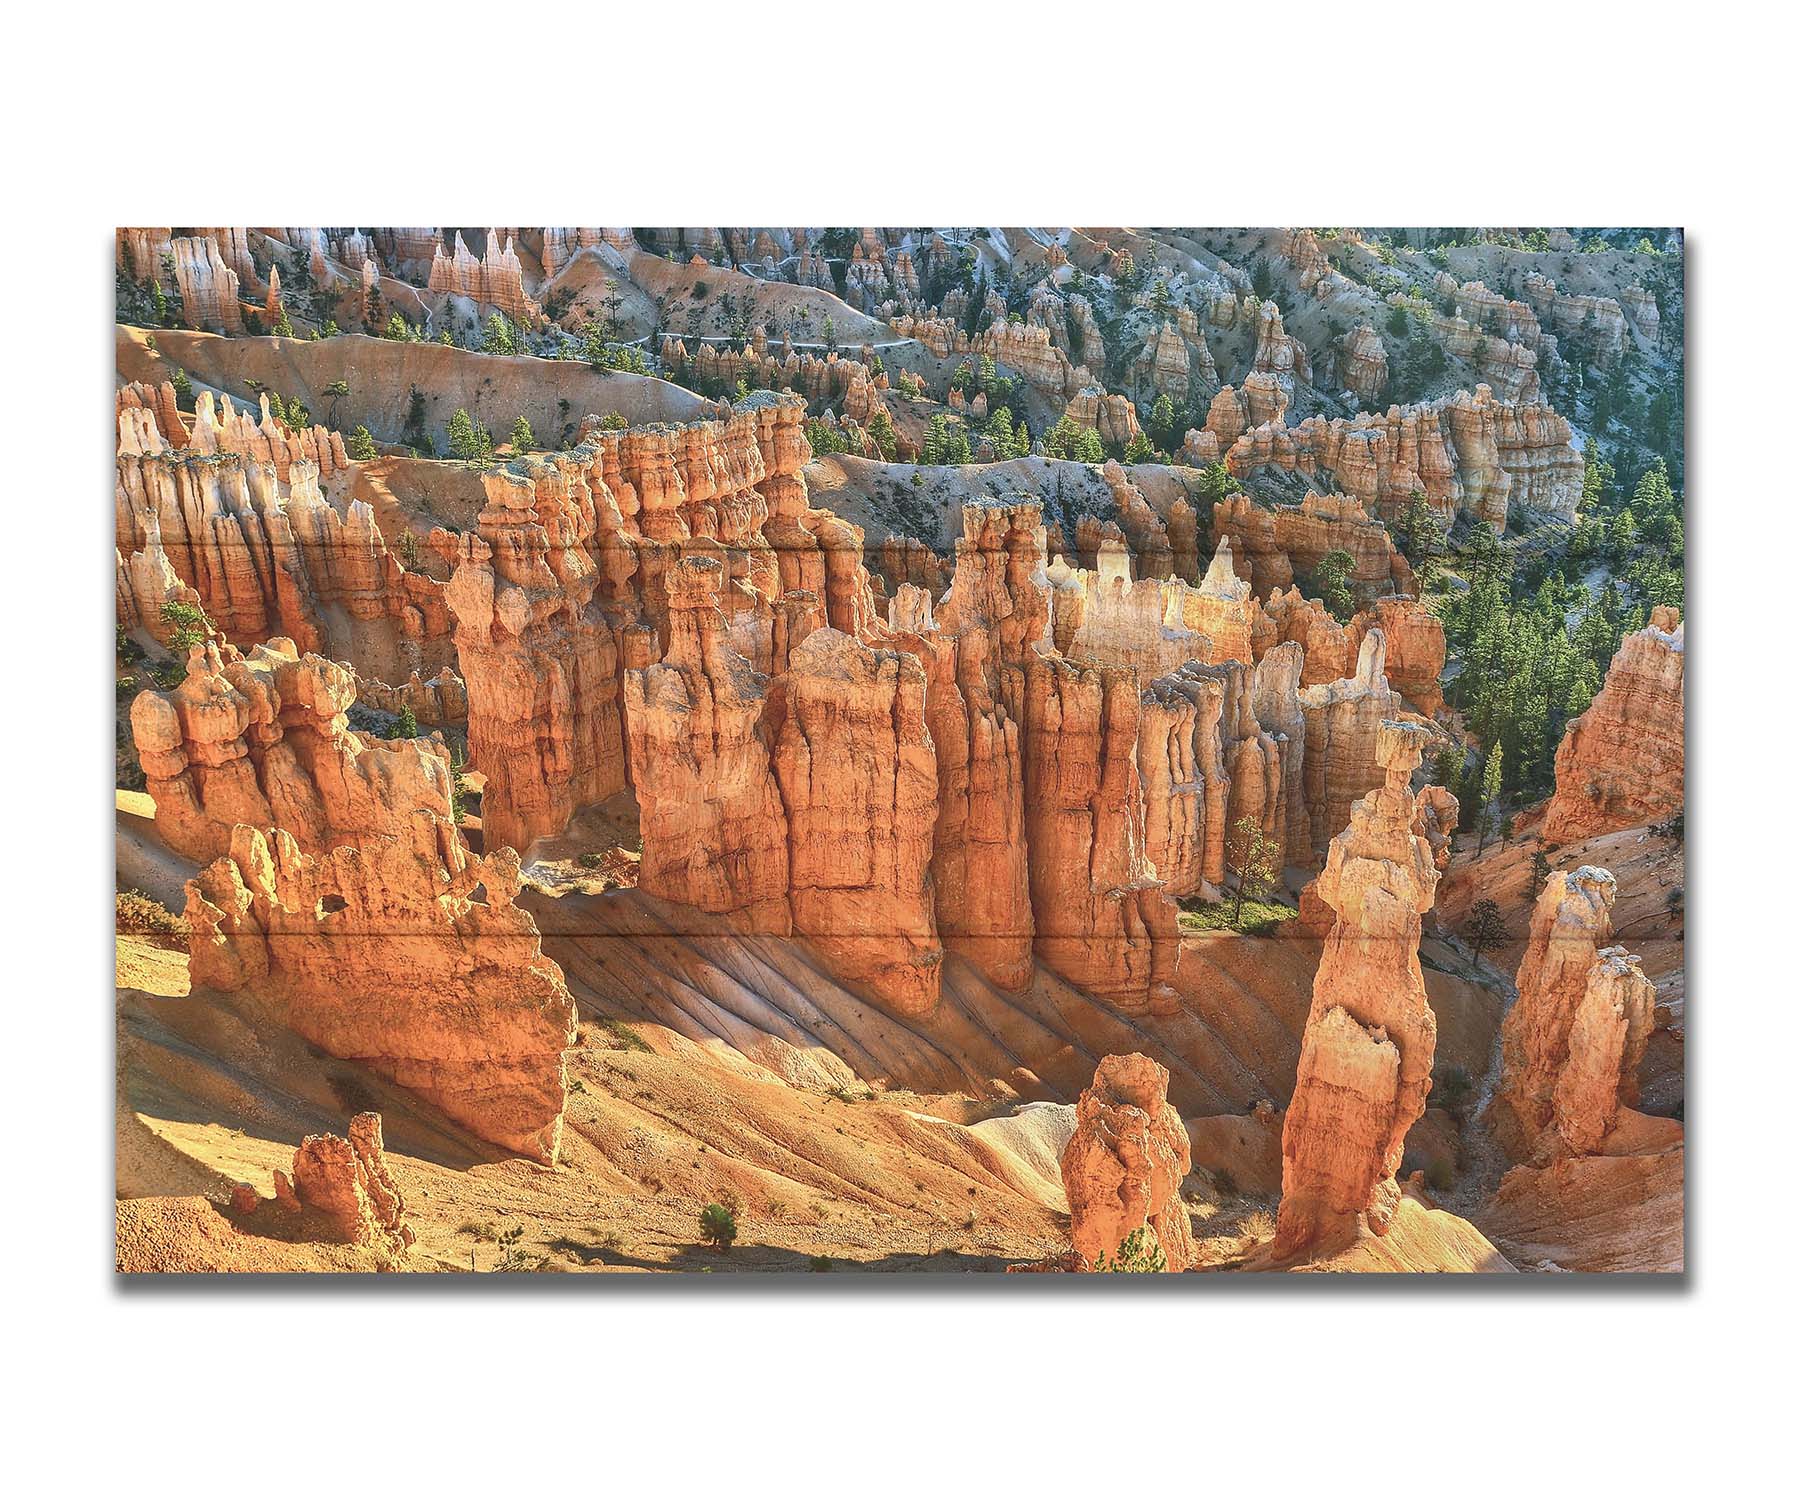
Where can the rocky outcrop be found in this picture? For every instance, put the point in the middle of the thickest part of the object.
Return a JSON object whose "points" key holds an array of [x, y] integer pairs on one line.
{"points": [[442, 700], [263, 739], [974, 653], [1287, 542], [267, 559], [1278, 352], [160, 400], [341, 1191], [858, 775], [714, 826], [1477, 456], [1346, 738], [496, 280], [1624, 761], [382, 955], [1370, 1040], [222, 428], [209, 287], [1363, 364], [1123, 1167], [1606, 1045], [1596, 325], [1572, 1042], [1414, 648], [1206, 761], [1113, 417], [1103, 918], [538, 656]]}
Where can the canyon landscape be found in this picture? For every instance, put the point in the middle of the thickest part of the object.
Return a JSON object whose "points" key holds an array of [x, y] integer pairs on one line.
{"points": [[1042, 751]]}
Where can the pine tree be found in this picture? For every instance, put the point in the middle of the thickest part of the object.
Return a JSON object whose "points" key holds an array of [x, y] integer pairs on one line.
{"points": [[360, 445], [521, 437], [1490, 793]]}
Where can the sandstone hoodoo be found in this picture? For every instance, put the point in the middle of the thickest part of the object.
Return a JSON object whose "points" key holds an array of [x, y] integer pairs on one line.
{"points": [[264, 739], [1622, 763], [340, 1190], [1371, 1038], [1574, 1038], [1123, 1167], [914, 739]]}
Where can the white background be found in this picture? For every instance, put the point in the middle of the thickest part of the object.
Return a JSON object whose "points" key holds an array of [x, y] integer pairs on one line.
{"points": [[1518, 114]]}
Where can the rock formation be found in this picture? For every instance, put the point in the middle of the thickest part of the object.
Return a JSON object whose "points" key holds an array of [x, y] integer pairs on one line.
{"points": [[1370, 1040], [497, 279], [263, 739], [714, 826], [209, 288], [1103, 918], [1624, 761], [1572, 1041], [1363, 364], [264, 563], [539, 658], [1477, 456], [1123, 1167], [381, 954], [1287, 542], [1347, 725], [858, 775], [340, 1191]]}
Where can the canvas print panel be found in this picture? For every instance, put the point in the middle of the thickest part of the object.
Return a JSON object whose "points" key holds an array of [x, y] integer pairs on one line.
{"points": [[926, 749]]}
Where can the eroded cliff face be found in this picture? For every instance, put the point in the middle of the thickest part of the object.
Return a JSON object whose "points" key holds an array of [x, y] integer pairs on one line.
{"points": [[381, 954], [1624, 761], [1572, 1042], [1480, 456], [1370, 1040], [266, 556], [858, 775], [1206, 761], [1346, 721], [539, 659], [263, 739], [1103, 918], [714, 826], [1123, 1167], [1288, 542]]}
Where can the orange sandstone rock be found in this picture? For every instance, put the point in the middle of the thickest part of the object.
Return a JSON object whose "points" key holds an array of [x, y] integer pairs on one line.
{"points": [[341, 1190], [538, 656], [1103, 918], [858, 775], [263, 739], [1624, 761], [1122, 1168], [1370, 1039], [1571, 1044], [381, 954]]}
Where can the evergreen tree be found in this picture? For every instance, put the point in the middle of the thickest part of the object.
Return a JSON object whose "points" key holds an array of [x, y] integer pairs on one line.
{"points": [[360, 445], [1490, 794], [1332, 579], [521, 437]]}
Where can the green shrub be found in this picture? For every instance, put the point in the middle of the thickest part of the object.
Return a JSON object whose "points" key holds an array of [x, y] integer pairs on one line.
{"points": [[718, 1226], [1439, 1175], [1139, 1253]]}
